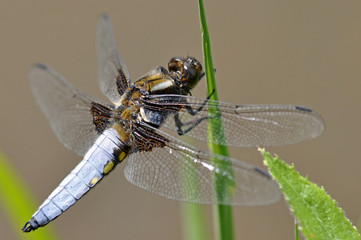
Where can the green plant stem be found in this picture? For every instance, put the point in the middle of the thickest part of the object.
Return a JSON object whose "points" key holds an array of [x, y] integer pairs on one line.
{"points": [[223, 213], [194, 224], [296, 231]]}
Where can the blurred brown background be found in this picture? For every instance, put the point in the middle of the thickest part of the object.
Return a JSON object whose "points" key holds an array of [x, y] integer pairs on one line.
{"points": [[293, 52]]}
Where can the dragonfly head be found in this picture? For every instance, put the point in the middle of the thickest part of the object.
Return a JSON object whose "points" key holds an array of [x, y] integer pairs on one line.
{"points": [[190, 70]]}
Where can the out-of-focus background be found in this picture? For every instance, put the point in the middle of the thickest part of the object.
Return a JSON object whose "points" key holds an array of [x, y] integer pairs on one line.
{"points": [[290, 52]]}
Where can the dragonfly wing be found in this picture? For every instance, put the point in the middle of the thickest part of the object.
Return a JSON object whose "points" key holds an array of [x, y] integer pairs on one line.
{"points": [[173, 169], [114, 78], [243, 125], [69, 111]]}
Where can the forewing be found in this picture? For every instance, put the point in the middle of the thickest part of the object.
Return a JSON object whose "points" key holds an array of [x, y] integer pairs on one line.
{"points": [[67, 109], [173, 169], [113, 74], [243, 125]]}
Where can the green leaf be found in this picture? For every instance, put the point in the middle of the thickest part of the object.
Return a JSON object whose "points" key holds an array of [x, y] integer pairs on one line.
{"points": [[223, 213], [318, 214], [18, 203]]}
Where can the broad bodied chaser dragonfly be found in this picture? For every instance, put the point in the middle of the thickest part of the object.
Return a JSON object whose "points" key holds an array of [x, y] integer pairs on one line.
{"points": [[130, 128]]}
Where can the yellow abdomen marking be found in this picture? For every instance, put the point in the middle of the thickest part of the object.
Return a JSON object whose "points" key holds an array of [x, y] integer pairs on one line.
{"points": [[122, 155], [94, 181], [108, 167]]}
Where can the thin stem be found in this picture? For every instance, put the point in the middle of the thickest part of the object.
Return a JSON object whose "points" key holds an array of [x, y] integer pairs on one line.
{"points": [[222, 213]]}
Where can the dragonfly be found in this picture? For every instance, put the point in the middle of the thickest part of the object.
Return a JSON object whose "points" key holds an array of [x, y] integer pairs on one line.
{"points": [[140, 126]]}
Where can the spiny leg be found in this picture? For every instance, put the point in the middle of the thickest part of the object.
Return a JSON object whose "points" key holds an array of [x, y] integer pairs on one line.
{"points": [[179, 124]]}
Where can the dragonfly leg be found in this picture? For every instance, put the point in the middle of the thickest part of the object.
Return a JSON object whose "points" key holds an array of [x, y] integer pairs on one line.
{"points": [[179, 124], [194, 112], [192, 124]]}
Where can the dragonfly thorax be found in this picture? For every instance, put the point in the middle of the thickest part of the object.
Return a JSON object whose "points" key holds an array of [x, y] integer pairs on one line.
{"points": [[182, 75]]}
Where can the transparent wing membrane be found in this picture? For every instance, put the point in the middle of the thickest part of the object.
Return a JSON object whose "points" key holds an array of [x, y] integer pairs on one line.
{"points": [[176, 170], [243, 125], [67, 108], [114, 78]]}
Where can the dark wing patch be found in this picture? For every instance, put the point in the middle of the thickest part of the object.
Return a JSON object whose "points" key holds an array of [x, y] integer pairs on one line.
{"points": [[122, 81], [101, 116], [145, 140], [114, 77]]}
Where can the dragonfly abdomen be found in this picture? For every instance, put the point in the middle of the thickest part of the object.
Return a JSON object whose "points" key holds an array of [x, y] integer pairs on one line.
{"points": [[101, 158]]}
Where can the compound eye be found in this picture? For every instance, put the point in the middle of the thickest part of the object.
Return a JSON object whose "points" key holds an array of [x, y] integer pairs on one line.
{"points": [[195, 64], [193, 71], [176, 64], [198, 67]]}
